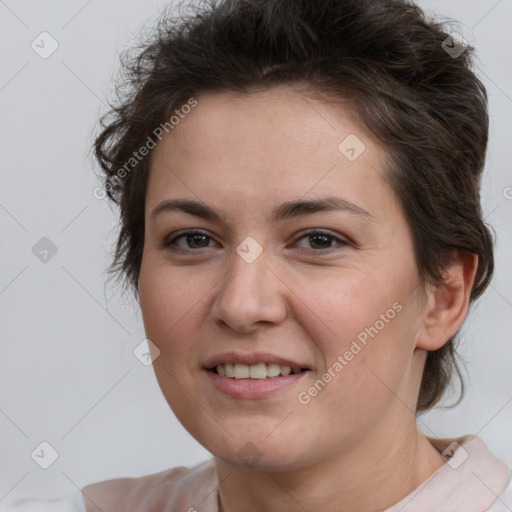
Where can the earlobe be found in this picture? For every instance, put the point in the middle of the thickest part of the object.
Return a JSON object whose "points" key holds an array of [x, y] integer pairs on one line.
{"points": [[448, 304]]}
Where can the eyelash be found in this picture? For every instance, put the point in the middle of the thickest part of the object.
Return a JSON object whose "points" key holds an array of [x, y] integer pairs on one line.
{"points": [[168, 244]]}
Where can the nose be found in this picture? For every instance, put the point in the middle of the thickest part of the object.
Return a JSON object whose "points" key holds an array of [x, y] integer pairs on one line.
{"points": [[250, 294]]}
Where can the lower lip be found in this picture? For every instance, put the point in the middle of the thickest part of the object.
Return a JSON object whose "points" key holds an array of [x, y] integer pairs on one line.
{"points": [[253, 388]]}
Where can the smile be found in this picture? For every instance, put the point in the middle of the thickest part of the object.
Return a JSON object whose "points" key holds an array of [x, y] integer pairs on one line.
{"points": [[255, 371]]}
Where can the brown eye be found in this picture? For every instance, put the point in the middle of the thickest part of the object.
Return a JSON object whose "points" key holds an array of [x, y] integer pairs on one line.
{"points": [[319, 240], [194, 239]]}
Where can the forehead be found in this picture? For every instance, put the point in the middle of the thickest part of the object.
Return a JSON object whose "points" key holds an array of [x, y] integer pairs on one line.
{"points": [[279, 118], [267, 145]]}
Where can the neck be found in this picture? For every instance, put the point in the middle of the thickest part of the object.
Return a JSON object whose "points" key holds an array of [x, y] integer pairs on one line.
{"points": [[370, 476]]}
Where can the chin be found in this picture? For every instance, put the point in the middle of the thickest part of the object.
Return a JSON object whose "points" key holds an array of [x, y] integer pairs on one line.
{"points": [[259, 453]]}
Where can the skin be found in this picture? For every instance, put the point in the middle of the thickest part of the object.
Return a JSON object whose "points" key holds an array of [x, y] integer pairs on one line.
{"points": [[355, 446]]}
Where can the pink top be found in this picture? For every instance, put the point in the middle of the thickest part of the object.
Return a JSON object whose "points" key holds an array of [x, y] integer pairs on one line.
{"points": [[472, 480]]}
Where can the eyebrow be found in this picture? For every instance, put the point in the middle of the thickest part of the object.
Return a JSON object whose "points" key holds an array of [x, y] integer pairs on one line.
{"points": [[288, 210]]}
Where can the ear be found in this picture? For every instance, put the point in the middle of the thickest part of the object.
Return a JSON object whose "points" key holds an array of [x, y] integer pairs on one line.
{"points": [[448, 304]]}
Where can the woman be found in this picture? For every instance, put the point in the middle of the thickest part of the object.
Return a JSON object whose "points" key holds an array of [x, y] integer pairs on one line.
{"points": [[301, 225]]}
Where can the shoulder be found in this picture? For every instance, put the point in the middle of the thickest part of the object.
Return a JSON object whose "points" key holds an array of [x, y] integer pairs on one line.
{"points": [[184, 487], [473, 479]]}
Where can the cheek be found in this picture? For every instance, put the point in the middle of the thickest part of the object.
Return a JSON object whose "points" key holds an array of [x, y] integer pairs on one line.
{"points": [[341, 308], [168, 304], [166, 300], [362, 330]]}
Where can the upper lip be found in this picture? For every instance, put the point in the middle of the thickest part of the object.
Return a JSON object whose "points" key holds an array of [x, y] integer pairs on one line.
{"points": [[251, 359]]}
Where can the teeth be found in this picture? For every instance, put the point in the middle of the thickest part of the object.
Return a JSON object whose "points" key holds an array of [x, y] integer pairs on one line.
{"points": [[285, 370], [273, 370], [255, 371], [241, 371]]}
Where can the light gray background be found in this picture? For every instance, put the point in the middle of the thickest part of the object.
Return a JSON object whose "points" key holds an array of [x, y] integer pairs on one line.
{"points": [[67, 372]]}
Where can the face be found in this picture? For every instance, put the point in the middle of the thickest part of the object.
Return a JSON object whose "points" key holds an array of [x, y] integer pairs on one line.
{"points": [[328, 290]]}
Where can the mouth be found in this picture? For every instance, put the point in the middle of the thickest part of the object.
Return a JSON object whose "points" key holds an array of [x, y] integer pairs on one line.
{"points": [[257, 371], [254, 375], [256, 380]]}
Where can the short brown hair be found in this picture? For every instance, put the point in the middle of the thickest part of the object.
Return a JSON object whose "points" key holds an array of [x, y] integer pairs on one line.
{"points": [[386, 57]]}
